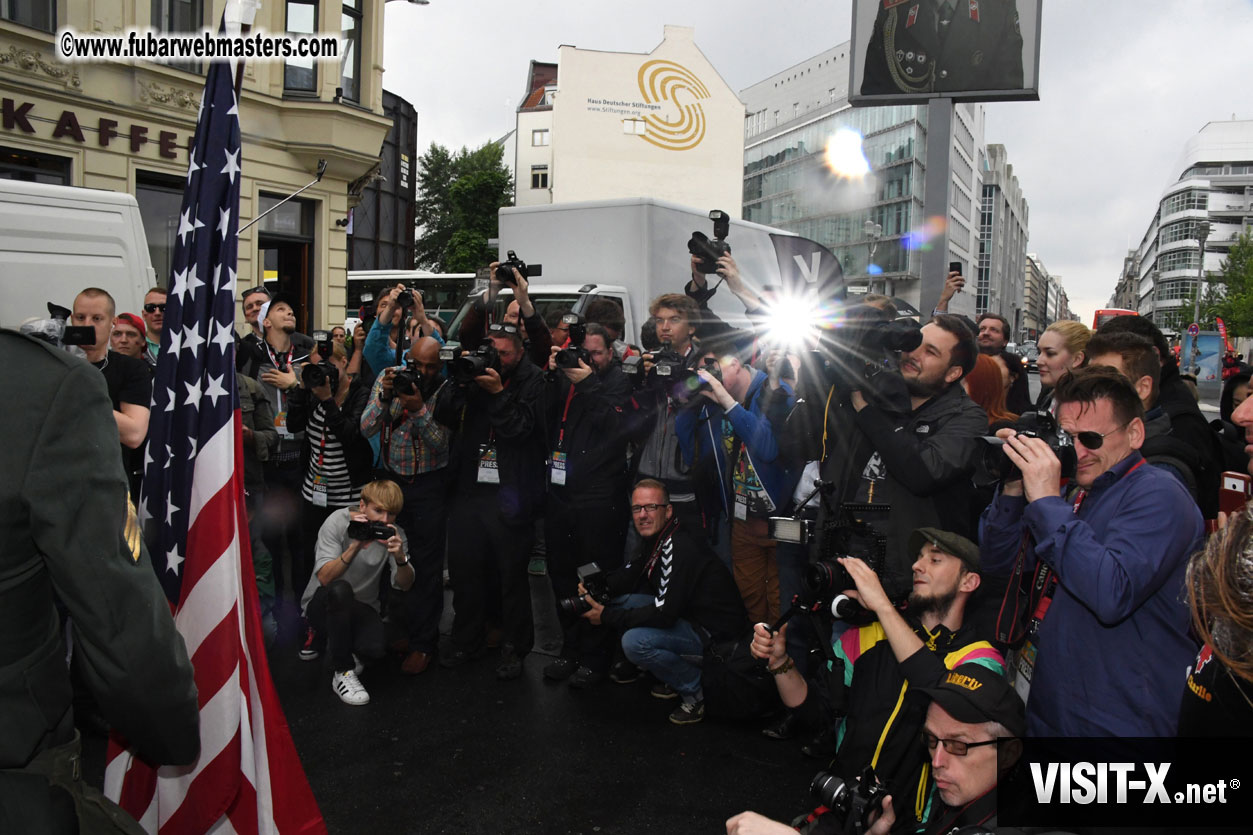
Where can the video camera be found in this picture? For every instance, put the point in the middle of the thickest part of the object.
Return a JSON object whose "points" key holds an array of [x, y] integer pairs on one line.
{"points": [[1040, 425], [595, 582], [709, 251], [670, 373], [853, 804], [463, 369], [56, 332], [504, 270], [569, 357], [862, 354], [368, 531], [846, 534]]}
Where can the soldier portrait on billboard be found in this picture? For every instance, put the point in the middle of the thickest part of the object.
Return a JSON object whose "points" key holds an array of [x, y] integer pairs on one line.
{"points": [[944, 46]]}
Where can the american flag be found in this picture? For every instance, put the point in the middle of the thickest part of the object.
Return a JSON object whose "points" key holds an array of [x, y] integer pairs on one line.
{"points": [[248, 777]]}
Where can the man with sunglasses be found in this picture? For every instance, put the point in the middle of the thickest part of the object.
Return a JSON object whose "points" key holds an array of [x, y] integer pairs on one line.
{"points": [[499, 477], [1097, 568], [154, 321]]}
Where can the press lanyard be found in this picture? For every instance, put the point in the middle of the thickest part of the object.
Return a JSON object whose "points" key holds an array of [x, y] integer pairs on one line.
{"points": [[561, 435], [661, 539]]}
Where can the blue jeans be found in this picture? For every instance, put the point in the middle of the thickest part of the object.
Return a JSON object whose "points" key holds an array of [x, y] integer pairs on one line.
{"points": [[673, 655]]}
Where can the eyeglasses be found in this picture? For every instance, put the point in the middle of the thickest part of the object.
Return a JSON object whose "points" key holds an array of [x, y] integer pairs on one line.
{"points": [[153, 307], [646, 508], [1095, 440], [956, 747], [503, 328]]}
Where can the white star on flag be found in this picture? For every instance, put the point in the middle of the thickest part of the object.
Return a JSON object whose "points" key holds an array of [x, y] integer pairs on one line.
{"points": [[232, 164], [192, 339], [224, 221], [215, 389], [225, 338], [173, 560], [170, 510], [185, 226]]}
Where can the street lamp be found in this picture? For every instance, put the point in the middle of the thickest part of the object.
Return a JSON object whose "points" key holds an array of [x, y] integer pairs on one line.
{"points": [[1202, 233], [874, 231]]}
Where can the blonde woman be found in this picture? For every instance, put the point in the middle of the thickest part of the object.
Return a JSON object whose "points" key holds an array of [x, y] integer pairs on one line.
{"points": [[1062, 348]]}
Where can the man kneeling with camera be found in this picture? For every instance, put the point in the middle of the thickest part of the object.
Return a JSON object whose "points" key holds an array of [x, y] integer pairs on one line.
{"points": [[670, 601], [872, 667], [341, 601]]}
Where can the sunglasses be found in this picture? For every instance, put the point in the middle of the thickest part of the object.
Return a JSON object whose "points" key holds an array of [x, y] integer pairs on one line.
{"points": [[1095, 440], [502, 328], [153, 307], [956, 747]]}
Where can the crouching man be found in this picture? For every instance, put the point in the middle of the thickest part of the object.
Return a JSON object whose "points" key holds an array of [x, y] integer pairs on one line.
{"points": [[670, 601], [355, 546]]}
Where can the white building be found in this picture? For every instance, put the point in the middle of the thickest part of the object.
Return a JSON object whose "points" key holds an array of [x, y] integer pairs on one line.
{"points": [[792, 115], [1214, 184], [604, 125], [999, 283]]}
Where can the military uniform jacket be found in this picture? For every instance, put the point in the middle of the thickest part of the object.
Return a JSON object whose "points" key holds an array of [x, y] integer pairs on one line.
{"points": [[67, 528], [911, 51]]}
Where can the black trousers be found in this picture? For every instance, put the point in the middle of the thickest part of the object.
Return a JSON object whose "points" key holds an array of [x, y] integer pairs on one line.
{"points": [[312, 518], [577, 535], [280, 519], [348, 624], [424, 521], [485, 552]]}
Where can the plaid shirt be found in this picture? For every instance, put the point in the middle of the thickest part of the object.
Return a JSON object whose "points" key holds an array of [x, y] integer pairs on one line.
{"points": [[412, 443]]}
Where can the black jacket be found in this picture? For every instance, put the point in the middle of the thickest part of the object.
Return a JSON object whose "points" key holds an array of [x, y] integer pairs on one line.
{"points": [[1188, 425], [929, 456], [594, 438], [513, 421], [344, 422], [689, 582]]}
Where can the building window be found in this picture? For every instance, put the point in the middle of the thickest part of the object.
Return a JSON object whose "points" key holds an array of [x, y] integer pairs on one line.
{"points": [[301, 74], [177, 16], [160, 198], [30, 167], [37, 14], [539, 176], [539, 138], [635, 127], [350, 72], [1185, 200]]}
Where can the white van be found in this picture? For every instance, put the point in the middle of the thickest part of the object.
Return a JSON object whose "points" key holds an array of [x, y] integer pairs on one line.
{"points": [[56, 240]]}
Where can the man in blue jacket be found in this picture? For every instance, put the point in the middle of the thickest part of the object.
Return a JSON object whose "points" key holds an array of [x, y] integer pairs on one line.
{"points": [[756, 481], [1107, 640]]}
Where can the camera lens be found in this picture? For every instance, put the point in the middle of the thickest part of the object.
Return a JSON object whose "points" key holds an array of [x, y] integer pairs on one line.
{"points": [[831, 790]]}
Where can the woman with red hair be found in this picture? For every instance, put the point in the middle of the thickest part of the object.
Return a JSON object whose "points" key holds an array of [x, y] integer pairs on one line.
{"points": [[986, 386]]}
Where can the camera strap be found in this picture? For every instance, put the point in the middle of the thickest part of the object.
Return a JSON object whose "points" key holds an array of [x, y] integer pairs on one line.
{"points": [[561, 434]]}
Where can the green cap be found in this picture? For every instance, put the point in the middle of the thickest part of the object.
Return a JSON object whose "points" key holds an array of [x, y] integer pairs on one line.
{"points": [[948, 542]]}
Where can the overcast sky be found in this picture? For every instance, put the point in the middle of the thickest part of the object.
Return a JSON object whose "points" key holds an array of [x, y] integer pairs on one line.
{"points": [[1123, 85]]}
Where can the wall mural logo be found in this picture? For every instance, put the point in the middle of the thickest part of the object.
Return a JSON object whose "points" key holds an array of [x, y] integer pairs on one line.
{"points": [[666, 81]]}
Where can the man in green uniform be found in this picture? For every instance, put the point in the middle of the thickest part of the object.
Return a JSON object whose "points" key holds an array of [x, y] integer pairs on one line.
{"points": [[69, 534], [938, 46]]}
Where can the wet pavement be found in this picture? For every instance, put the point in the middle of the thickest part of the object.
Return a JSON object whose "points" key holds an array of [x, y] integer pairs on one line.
{"points": [[458, 751]]}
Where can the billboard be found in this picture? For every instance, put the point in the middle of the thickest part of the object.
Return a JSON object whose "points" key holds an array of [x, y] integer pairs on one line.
{"points": [[909, 51]]}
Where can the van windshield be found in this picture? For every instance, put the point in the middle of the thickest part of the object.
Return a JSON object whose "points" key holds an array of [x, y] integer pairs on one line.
{"points": [[544, 304]]}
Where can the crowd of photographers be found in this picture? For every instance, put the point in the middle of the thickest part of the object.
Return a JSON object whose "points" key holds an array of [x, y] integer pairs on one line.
{"points": [[872, 541]]}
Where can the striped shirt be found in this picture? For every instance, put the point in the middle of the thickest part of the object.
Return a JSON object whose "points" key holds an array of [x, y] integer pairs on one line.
{"points": [[328, 465], [412, 443]]}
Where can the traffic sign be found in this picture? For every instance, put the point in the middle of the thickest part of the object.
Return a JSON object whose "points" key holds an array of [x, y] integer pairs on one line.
{"points": [[1194, 329]]}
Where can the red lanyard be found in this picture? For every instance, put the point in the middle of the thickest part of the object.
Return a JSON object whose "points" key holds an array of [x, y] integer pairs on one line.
{"points": [[562, 434]]}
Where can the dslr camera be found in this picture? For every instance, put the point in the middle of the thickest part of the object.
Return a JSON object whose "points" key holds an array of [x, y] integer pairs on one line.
{"points": [[709, 251], [851, 803], [569, 357], [406, 381], [463, 369], [1031, 425], [314, 375], [504, 270], [596, 583], [369, 531]]}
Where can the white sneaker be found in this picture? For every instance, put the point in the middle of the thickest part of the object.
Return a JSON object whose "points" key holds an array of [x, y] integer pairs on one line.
{"points": [[347, 686]]}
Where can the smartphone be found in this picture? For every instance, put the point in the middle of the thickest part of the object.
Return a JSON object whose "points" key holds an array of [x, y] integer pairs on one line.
{"points": [[955, 267], [1234, 491]]}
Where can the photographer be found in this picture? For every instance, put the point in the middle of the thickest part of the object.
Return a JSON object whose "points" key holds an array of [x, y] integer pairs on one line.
{"points": [[500, 455], [916, 464], [669, 602], [334, 456], [384, 338], [414, 450], [1098, 572], [341, 600], [667, 450], [876, 723], [585, 517], [520, 313], [699, 291], [754, 406]]}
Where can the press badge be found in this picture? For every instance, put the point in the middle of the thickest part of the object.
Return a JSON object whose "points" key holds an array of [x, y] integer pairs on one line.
{"points": [[319, 491], [489, 469], [1024, 666], [741, 507], [558, 469], [280, 423]]}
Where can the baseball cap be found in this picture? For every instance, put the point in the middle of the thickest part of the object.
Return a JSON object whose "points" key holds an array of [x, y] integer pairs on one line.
{"points": [[135, 322], [948, 542], [265, 308], [974, 694]]}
